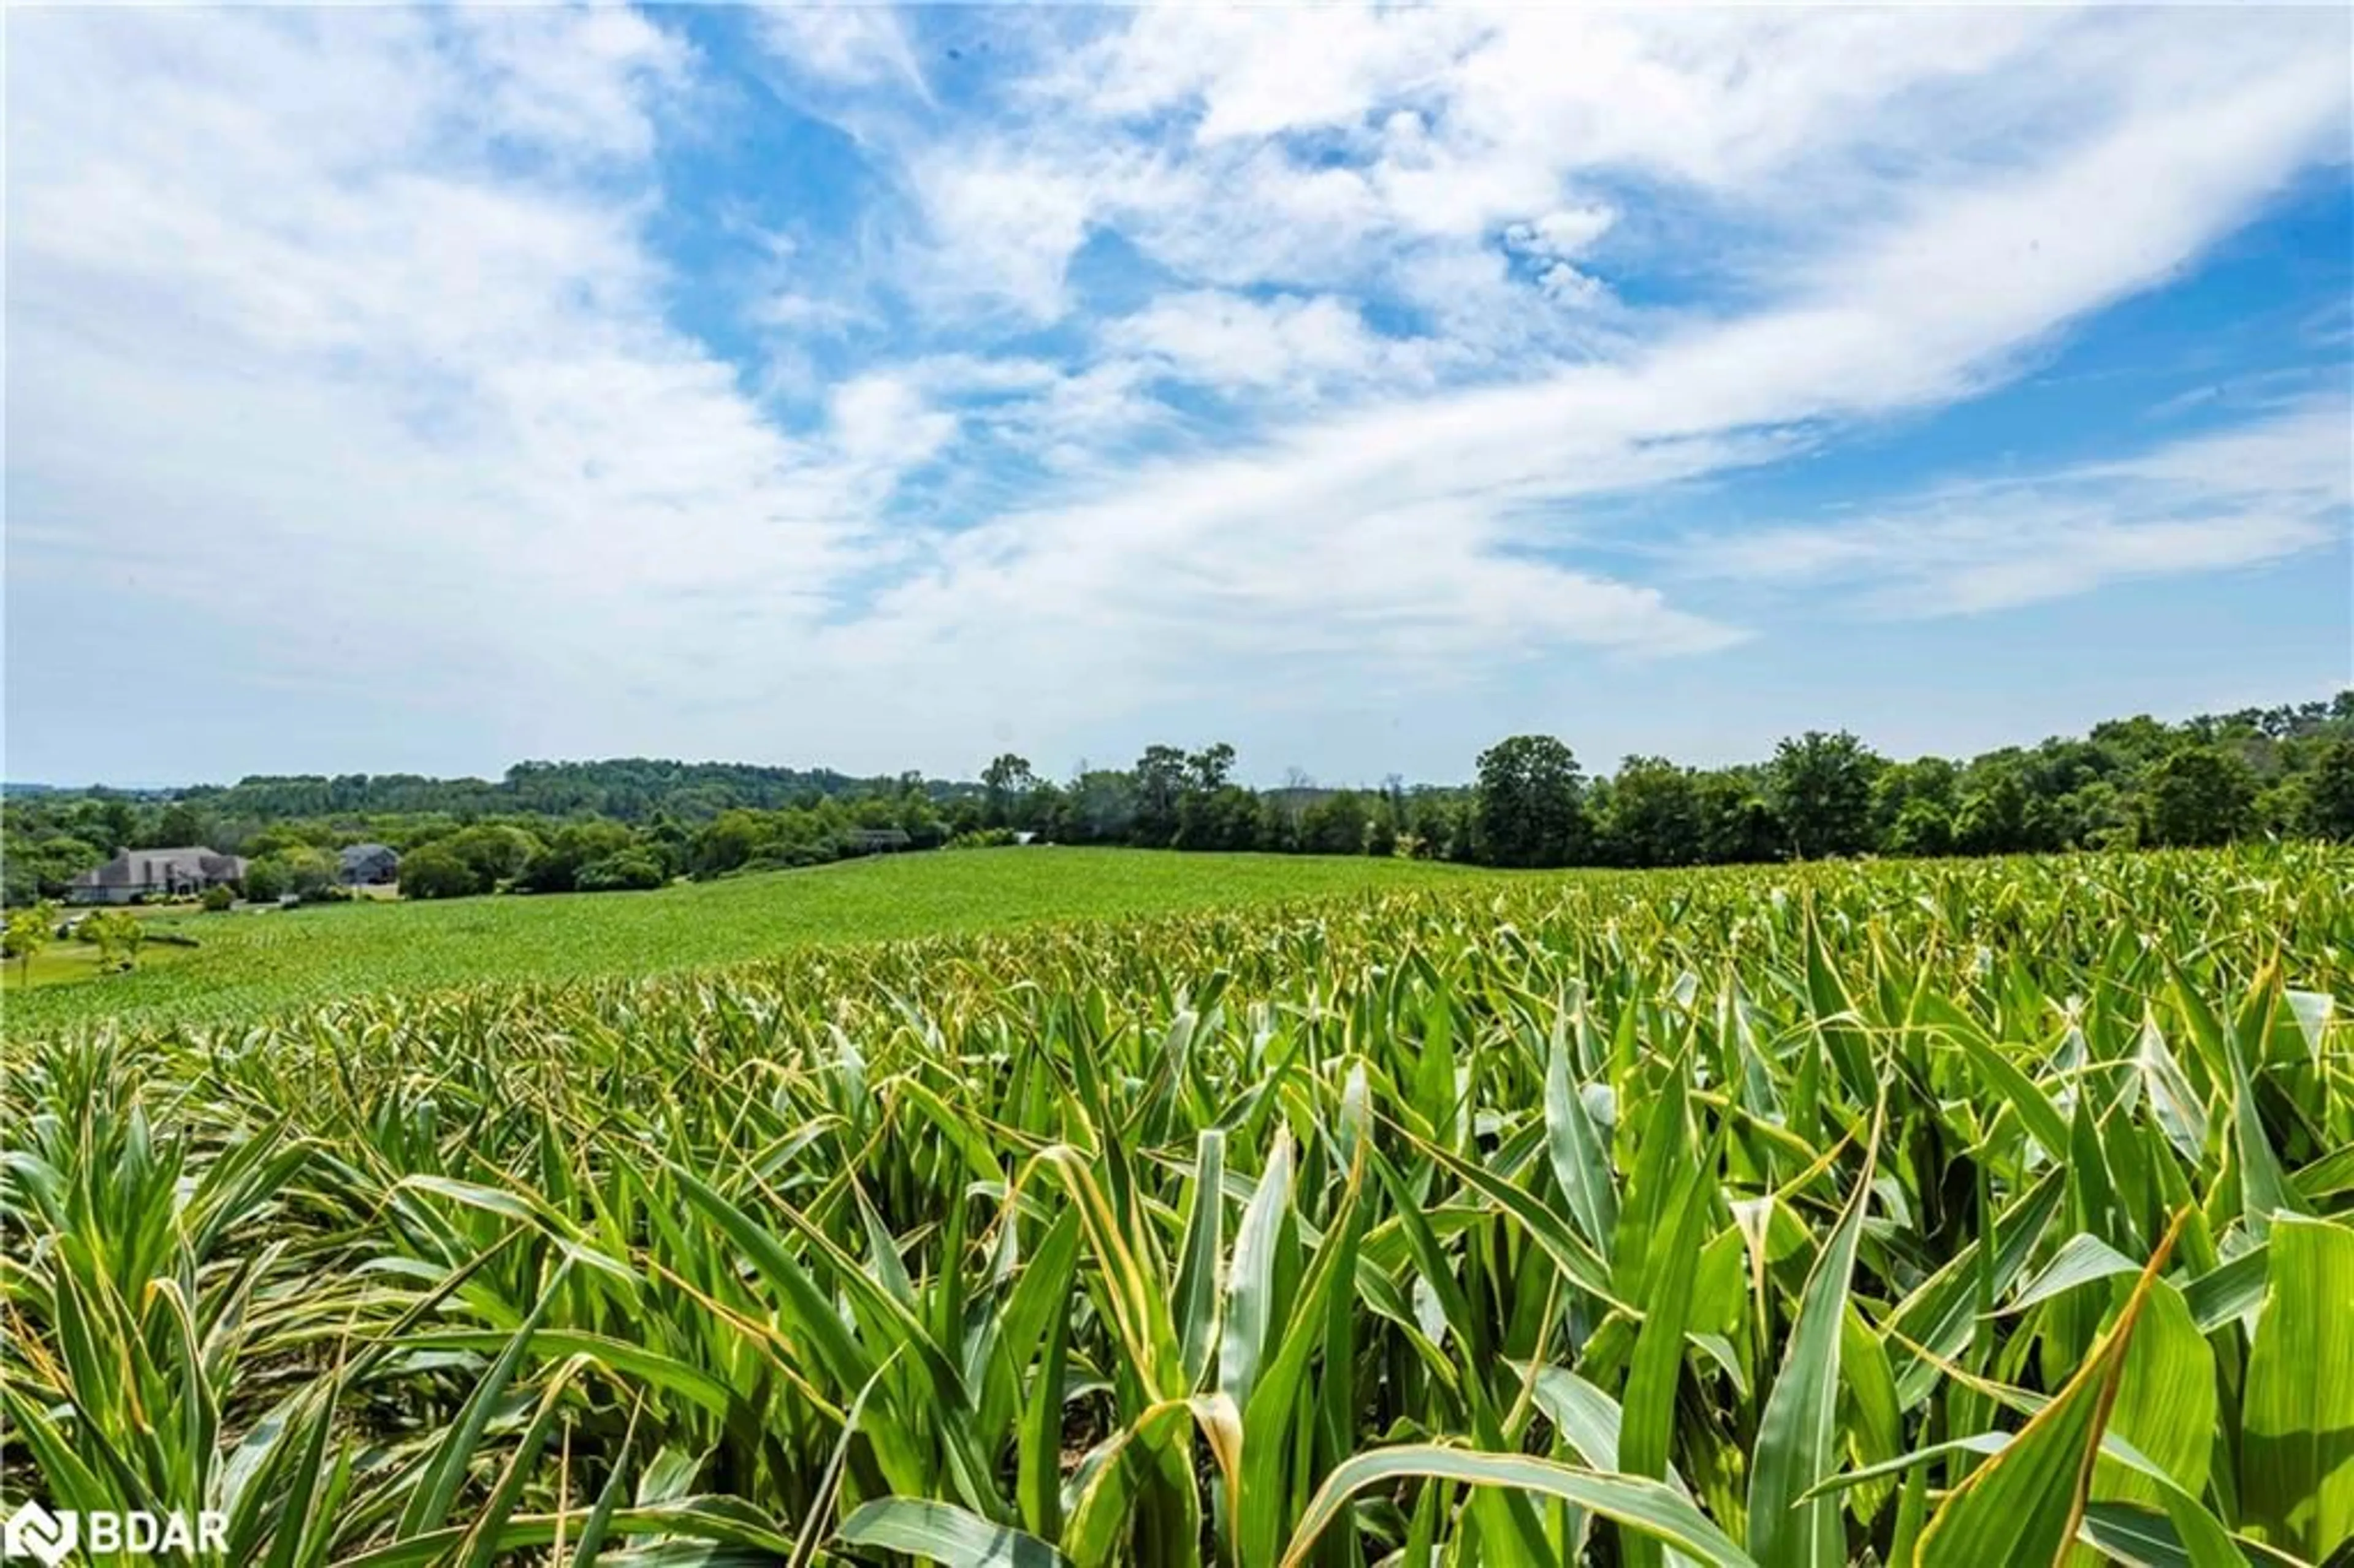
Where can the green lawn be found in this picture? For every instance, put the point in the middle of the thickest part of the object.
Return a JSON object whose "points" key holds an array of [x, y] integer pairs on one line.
{"points": [[251, 964], [70, 963]]}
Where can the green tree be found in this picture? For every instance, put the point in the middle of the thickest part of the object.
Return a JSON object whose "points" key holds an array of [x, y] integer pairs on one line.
{"points": [[117, 823], [265, 880], [2198, 795], [1162, 774], [631, 869], [118, 935], [181, 824], [1922, 827], [29, 932], [1005, 781], [1737, 824], [920, 821], [1275, 832], [44, 868], [1222, 818], [556, 867], [438, 870], [279, 837], [1821, 791], [2329, 792], [2282, 807], [1211, 766], [1997, 814], [309, 871], [727, 842], [497, 852], [1931, 782], [1100, 807], [1335, 825], [1652, 815], [1529, 812]]}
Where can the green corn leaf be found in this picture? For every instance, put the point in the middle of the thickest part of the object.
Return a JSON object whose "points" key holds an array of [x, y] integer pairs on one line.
{"points": [[2165, 1405], [2230, 1290], [1636, 1503], [941, 1532], [2023, 1506], [1648, 1415], [445, 1468], [1579, 1151], [1199, 1254], [810, 1316], [2082, 1260], [1250, 1277], [2296, 1428], [1797, 1437]]}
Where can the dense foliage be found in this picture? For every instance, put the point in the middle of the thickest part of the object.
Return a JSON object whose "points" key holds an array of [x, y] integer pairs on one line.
{"points": [[2285, 772], [1937, 1214], [2281, 772]]}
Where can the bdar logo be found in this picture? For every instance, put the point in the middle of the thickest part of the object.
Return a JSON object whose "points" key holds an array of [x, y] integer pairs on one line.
{"points": [[50, 1537], [34, 1531]]}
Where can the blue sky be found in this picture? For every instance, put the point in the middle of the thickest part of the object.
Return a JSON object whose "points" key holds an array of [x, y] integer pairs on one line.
{"points": [[424, 390]]}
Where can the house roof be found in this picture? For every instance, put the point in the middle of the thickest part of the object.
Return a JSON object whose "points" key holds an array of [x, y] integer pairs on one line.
{"points": [[355, 855], [152, 867]]}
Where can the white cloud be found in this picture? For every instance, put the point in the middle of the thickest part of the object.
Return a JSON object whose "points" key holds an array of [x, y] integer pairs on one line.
{"points": [[1561, 235], [1236, 343], [2275, 487], [881, 421], [1005, 229], [847, 45], [404, 419], [1431, 517]]}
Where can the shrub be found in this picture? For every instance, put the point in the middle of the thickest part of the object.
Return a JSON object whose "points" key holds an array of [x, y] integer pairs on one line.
{"points": [[117, 935], [218, 899]]}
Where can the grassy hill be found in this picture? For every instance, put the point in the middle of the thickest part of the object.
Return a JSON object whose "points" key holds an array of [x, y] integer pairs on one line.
{"points": [[250, 964]]}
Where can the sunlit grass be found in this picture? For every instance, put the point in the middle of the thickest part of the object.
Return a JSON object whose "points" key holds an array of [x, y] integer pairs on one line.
{"points": [[251, 963]]}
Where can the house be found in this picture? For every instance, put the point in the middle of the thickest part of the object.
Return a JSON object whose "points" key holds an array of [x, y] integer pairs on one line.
{"points": [[138, 873], [367, 865], [876, 841]]}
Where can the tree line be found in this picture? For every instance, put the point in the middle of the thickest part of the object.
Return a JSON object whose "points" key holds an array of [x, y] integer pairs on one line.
{"points": [[2286, 771]]}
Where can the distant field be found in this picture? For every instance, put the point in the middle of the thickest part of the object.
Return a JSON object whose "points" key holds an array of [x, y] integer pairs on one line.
{"points": [[250, 964]]}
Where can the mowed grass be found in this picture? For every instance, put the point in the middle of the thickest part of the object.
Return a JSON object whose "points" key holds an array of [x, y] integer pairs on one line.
{"points": [[252, 964], [70, 963]]}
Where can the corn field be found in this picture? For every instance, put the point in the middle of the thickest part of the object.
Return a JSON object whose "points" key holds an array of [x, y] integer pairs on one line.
{"points": [[1950, 1214]]}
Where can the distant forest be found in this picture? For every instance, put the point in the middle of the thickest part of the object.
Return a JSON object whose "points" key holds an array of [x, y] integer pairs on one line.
{"points": [[2286, 771]]}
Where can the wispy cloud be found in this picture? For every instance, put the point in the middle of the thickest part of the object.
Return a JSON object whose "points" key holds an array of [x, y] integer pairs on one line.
{"points": [[2275, 487]]}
